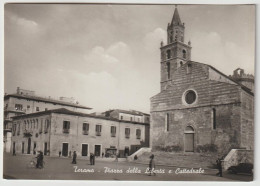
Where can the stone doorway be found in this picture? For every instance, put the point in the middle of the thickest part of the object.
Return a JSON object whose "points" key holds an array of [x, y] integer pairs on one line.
{"points": [[189, 139]]}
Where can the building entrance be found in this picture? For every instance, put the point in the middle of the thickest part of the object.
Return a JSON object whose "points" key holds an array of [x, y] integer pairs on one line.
{"points": [[97, 150], [189, 139], [65, 147]]}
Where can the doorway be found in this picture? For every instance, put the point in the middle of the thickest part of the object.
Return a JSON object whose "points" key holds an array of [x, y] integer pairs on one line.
{"points": [[97, 150], [29, 146], [14, 148], [126, 151], [34, 148], [84, 150], [22, 147], [189, 139], [65, 147], [45, 148]]}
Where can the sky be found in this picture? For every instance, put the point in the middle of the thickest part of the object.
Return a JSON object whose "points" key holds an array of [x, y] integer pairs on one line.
{"points": [[107, 56]]}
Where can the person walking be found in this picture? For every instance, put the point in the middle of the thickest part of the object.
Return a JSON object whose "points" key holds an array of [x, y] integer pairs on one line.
{"points": [[39, 163], [151, 165], [74, 161], [59, 153], [219, 165]]}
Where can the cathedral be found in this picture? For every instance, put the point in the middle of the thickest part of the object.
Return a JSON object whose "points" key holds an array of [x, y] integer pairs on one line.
{"points": [[199, 106]]}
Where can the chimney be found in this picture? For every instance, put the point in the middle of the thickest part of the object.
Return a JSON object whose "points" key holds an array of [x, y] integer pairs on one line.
{"points": [[18, 90]]}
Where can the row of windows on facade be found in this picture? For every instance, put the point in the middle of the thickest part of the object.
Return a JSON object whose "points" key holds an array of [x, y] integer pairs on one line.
{"points": [[85, 130], [169, 54], [20, 107], [33, 124], [167, 120], [29, 125]]}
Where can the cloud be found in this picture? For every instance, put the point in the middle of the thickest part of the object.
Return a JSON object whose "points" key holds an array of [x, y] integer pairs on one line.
{"points": [[112, 55], [153, 39], [212, 49], [99, 55], [23, 25]]}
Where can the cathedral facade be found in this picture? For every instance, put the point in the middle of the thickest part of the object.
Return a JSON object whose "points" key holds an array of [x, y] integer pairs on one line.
{"points": [[198, 105]]}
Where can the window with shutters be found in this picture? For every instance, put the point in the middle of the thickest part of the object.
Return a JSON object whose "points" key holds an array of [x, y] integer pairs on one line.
{"points": [[66, 127], [138, 133], [98, 130], [85, 128], [127, 132], [113, 131], [46, 126]]}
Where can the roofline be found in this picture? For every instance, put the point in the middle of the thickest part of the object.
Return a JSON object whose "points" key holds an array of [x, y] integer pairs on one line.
{"points": [[213, 68], [68, 112], [34, 98]]}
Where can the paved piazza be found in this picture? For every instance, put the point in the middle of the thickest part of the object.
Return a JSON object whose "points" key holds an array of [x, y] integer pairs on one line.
{"points": [[17, 167]]}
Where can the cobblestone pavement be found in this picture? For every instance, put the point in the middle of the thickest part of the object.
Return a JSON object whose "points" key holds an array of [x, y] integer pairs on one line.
{"points": [[18, 167]]}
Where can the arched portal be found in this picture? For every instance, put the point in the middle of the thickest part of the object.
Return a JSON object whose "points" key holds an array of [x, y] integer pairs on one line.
{"points": [[189, 139]]}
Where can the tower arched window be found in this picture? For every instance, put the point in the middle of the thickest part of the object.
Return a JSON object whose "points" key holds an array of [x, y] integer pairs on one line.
{"points": [[168, 70], [171, 39], [168, 54], [184, 54]]}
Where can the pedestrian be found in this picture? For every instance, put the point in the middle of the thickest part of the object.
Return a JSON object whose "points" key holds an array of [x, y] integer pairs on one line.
{"points": [[70, 154], [151, 165], [102, 154], [219, 165], [135, 157], [117, 155], [92, 159], [74, 161], [59, 153], [39, 163]]}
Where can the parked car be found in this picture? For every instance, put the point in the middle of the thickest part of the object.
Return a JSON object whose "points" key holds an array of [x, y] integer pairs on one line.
{"points": [[241, 168]]}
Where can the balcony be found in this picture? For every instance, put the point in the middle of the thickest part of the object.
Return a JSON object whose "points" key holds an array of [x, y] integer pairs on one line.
{"points": [[98, 133], [66, 131], [13, 109], [27, 133], [45, 131], [113, 134], [85, 132], [138, 137]]}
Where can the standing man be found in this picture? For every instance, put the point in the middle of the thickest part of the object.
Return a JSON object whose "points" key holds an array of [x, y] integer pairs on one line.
{"points": [[74, 158], [151, 165], [219, 165]]}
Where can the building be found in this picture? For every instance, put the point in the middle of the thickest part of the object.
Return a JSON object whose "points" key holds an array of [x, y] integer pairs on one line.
{"points": [[131, 115], [25, 102], [65, 131], [128, 115], [198, 105]]}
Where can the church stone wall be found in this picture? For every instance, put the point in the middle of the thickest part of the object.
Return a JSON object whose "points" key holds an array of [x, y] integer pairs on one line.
{"points": [[224, 136], [247, 120]]}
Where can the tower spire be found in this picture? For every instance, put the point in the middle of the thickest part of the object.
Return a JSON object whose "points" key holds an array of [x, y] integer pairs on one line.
{"points": [[176, 20]]}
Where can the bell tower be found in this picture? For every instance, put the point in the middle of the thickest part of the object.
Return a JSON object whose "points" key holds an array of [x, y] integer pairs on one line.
{"points": [[175, 53]]}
